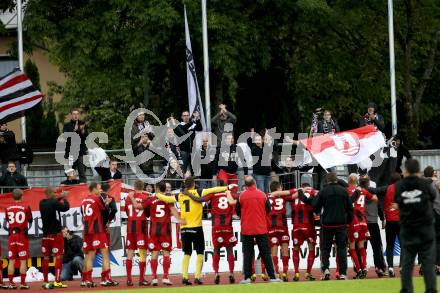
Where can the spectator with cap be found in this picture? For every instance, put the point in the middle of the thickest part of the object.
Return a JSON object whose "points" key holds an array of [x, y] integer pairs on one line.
{"points": [[8, 147], [12, 178], [223, 122], [253, 206], [372, 118], [72, 177]]}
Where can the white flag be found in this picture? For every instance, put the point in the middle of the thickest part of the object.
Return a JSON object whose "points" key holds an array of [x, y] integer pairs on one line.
{"points": [[194, 100], [347, 147]]}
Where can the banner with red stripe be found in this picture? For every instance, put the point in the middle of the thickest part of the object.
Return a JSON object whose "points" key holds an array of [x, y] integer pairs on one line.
{"points": [[71, 219], [17, 93], [347, 147]]}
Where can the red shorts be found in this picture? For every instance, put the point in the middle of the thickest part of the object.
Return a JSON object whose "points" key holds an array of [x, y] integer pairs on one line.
{"points": [[162, 242], [223, 237], [304, 233], [278, 236], [52, 244], [136, 240], [95, 241], [18, 247], [358, 232]]}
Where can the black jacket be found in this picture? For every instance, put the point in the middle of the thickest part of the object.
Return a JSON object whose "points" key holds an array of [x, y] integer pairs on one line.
{"points": [[190, 127], [415, 197], [147, 166], [227, 160], [328, 127], [8, 147], [207, 171], [49, 210], [334, 204], [70, 182], [378, 122], [70, 127], [13, 179], [109, 213], [257, 151], [72, 248], [107, 175]]}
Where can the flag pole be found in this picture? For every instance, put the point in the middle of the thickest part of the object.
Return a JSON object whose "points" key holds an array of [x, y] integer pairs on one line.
{"points": [[206, 66], [392, 68], [20, 59]]}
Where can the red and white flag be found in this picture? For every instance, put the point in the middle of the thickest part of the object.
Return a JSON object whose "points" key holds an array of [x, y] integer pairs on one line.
{"points": [[17, 93], [347, 147]]}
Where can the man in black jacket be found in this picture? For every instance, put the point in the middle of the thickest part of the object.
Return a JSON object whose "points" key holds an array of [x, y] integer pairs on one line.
{"points": [[188, 126], [414, 197], [8, 148], [78, 126], [336, 210], [12, 178], [108, 215], [205, 171], [110, 173], [372, 118], [53, 242], [73, 255]]}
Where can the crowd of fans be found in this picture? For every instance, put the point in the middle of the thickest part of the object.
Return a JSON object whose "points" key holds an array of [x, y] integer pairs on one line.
{"points": [[230, 162]]}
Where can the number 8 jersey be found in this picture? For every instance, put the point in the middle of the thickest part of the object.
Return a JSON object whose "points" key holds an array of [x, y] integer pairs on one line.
{"points": [[221, 210]]}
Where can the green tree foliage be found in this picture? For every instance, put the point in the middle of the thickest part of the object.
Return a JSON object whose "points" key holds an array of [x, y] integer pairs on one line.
{"points": [[289, 56], [42, 130]]}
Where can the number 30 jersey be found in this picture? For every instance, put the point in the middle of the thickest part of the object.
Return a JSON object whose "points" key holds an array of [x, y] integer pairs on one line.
{"points": [[221, 210], [18, 215], [277, 216]]}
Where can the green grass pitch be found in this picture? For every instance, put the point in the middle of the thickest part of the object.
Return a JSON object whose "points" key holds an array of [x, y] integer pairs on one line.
{"points": [[356, 286]]}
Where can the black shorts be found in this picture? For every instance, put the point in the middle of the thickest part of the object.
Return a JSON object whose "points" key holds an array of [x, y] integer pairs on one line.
{"points": [[192, 237]]}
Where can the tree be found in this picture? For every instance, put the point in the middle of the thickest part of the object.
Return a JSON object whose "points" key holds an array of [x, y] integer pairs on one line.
{"points": [[42, 130], [290, 56]]}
